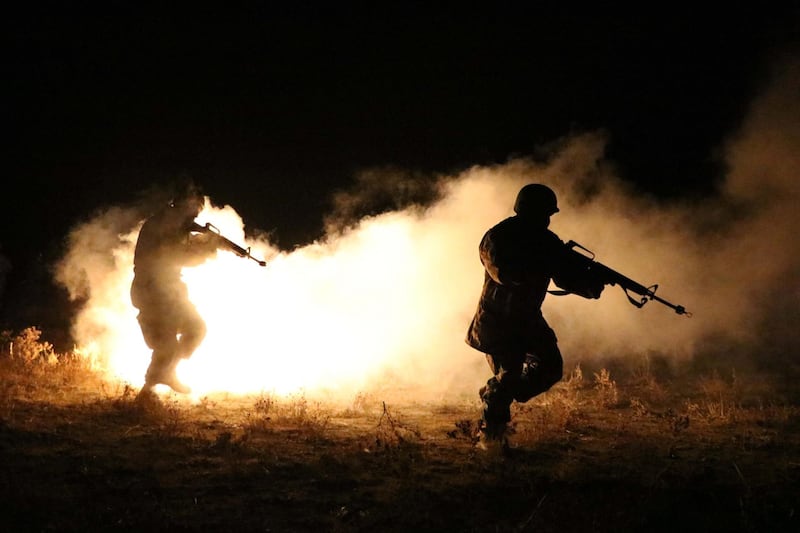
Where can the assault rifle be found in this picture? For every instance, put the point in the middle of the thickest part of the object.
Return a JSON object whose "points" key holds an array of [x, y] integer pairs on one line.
{"points": [[586, 263], [232, 246]]}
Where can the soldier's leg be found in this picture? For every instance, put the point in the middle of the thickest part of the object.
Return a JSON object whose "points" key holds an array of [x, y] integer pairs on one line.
{"points": [[192, 330], [161, 337], [499, 392], [186, 322], [162, 364], [541, 370], [160, 332], [168, 376]]}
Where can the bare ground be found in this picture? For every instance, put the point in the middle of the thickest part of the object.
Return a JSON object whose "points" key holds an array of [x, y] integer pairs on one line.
{"points": [[706, 453]]}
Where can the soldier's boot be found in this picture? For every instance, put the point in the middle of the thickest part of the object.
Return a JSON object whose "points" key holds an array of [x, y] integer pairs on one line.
{"points": [[493, 426], [171, 381], [160, 373], [492, 438], [175, 384]]}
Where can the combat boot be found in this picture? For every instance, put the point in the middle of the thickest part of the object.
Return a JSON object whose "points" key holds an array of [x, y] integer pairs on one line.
{"points": [[492, 445], [492, 439], [169, 379], [175, 384]]}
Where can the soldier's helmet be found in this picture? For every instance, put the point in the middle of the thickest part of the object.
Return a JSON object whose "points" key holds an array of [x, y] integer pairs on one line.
{"points": [[188, 199], [536, 199]]}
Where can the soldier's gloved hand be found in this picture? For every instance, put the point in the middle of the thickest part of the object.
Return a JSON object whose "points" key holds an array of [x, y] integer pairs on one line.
{"points": [[595, 290]]}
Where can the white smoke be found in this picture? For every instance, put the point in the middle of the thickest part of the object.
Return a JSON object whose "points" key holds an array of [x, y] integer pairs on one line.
{"points": [[386, 301], [732, 260]]}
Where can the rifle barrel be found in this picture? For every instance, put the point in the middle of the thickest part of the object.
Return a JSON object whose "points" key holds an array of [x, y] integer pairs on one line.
{"points": [[612, 277], [678, 308], [238, 250]]}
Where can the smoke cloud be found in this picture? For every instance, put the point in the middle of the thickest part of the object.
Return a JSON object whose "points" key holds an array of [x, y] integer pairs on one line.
{"points": [[385, 299]]}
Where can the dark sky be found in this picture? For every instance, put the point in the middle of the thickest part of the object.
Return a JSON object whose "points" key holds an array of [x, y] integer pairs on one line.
{"points": [[271, 109]]}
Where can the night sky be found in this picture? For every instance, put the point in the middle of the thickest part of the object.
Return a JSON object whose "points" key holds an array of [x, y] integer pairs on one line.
{"points": [[273, 109]]}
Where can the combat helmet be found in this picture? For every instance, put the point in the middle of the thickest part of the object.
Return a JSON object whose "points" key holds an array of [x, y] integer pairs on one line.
{"points": [[536, 199], [187, 196]]}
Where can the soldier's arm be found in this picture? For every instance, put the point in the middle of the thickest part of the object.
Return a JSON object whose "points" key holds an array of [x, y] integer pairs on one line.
{"points": [[571, 276]]}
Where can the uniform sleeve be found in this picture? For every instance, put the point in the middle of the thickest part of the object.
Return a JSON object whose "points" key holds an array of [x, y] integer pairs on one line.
{"points": [[499, 260], [488, 254]]}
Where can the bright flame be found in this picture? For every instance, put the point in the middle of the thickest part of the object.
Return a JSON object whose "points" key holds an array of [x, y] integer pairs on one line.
{"points": [[298, 322]]}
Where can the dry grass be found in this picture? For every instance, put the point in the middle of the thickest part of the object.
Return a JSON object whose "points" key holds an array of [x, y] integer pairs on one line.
{"points": [[604, 450]]}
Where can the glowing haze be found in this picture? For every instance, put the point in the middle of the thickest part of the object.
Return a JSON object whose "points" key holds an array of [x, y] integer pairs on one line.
{"points": [[385, 301]]}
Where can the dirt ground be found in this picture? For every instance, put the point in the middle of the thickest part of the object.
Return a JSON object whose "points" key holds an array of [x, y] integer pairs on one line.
{"points": [[707, 453]]}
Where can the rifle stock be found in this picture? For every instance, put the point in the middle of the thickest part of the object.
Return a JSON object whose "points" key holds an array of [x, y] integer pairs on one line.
{"points": [[232, 246], [611, 277]]}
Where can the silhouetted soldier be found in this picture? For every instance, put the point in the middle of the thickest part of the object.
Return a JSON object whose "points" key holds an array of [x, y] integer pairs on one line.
{"points": [[520, 256], [170, 323]]}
